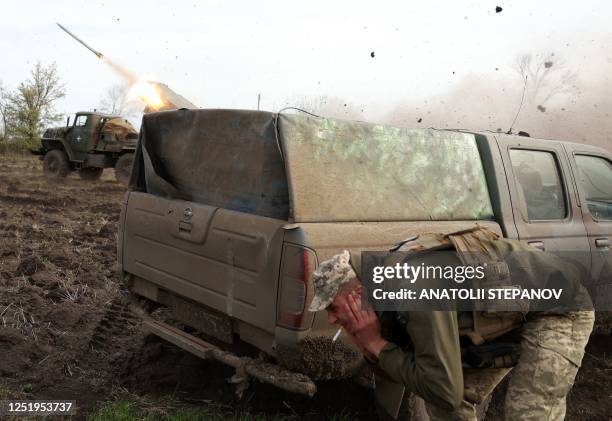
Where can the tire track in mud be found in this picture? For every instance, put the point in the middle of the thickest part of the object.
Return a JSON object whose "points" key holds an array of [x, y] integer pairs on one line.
{"points": [[118, 322]]}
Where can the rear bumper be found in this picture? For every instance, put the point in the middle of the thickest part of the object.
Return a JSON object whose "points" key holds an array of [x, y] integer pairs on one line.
{"points": [[310, 352], [246, 367]]}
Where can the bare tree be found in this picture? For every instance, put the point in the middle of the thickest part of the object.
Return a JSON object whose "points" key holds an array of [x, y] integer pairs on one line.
{"points": [[546, 76], [118, 102]]}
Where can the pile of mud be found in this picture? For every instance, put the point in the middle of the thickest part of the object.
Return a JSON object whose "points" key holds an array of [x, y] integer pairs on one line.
{"points": [[322, 359]]}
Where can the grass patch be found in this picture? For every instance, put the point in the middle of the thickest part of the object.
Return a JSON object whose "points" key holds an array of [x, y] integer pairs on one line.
{"points": [[128, 407], [118, 411], [14, 149], [15, 392], [130, 410]]}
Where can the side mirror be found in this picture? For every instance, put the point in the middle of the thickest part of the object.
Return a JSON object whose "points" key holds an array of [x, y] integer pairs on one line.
{"points": [[68, 121]]}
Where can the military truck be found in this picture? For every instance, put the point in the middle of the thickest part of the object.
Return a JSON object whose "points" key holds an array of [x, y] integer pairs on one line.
{"points": [[228, 213], [93, 142]]}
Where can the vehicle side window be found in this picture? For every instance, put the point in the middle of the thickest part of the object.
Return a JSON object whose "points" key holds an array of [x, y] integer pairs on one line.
{"points": [[595, 175], [539, 182], [80, 120]]}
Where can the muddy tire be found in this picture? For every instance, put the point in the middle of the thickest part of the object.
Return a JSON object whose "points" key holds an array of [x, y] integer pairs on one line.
{"points": [[123, 168], [56, 165], [90, 173]]}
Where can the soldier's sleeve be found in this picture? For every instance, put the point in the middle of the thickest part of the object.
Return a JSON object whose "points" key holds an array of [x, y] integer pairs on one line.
{"points": [[432, 367]]}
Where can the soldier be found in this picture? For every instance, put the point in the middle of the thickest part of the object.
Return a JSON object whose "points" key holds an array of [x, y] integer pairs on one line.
{"points": [[426, 354]]}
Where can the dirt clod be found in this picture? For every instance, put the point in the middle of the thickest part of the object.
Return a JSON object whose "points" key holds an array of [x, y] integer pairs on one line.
{"points": [[29, 266]]}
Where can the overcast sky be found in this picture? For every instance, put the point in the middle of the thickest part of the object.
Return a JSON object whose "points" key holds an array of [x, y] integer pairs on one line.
{"points": [[223, 53]]}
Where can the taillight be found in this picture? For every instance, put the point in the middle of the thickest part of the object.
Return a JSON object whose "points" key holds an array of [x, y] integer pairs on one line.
{"points": [[297, 266]]}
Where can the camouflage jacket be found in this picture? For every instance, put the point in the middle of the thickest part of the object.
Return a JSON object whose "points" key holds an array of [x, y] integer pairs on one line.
{"points": [[429, 364]]}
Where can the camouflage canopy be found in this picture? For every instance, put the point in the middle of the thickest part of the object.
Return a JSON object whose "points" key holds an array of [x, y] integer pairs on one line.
{"points": [[121, 128], [312, 169]]}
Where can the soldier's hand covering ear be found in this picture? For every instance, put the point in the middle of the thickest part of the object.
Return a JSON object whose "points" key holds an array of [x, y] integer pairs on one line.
{"points": [[364, 326]]}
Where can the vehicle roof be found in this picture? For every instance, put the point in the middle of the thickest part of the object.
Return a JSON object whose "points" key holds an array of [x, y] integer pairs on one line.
{"points": [[503, 135]]}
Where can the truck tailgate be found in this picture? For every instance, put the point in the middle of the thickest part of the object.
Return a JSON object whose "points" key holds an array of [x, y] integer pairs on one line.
{"points": [[224, 259]]}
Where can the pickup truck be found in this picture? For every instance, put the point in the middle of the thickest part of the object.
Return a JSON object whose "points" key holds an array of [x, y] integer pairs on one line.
{"points": [[228, 212]]}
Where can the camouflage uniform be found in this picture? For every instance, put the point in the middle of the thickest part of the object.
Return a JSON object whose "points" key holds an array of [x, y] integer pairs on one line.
{"points": [[552, 347]]}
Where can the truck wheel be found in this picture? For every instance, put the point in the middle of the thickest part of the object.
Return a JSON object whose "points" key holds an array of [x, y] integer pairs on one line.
{"points": [[123, 168], [55, 164], [90, 173]]}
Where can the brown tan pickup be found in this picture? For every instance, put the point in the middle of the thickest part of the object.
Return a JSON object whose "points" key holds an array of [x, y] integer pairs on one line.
{"points": [[229, 212]]}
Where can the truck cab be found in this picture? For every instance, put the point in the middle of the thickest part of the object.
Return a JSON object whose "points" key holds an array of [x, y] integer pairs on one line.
{"points": [[81, 136]]}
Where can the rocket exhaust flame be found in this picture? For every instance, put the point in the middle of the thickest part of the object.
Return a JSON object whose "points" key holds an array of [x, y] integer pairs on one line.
{"points": [[139, 87], [147, 93]]}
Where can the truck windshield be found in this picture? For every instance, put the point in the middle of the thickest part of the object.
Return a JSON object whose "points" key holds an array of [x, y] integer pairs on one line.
{"points": [[353, 171]]}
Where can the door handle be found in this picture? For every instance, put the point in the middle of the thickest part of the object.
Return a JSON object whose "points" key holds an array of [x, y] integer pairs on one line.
{"points": [[602, 242], [537, 244]]}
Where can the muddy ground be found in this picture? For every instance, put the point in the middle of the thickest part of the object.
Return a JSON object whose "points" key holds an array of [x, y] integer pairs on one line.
{"points": [[66, 331]]}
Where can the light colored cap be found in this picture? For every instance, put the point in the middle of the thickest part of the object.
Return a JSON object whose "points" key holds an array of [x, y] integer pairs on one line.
{"points": [[328, 278]]}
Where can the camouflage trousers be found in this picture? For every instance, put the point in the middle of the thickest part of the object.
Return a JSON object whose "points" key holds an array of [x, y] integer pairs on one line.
{"points": [[552, 347]]}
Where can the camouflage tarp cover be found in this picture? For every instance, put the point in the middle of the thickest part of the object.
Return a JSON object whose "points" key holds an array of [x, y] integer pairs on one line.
{"points": [[353, 171], [337, 170], [121, 128]]}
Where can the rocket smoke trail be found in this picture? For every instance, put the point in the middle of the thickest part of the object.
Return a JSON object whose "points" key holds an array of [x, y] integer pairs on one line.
{"points": [[129, 76]]}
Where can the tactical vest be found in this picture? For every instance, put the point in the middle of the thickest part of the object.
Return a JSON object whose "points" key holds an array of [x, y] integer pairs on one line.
{"points": [[475, 247]]}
